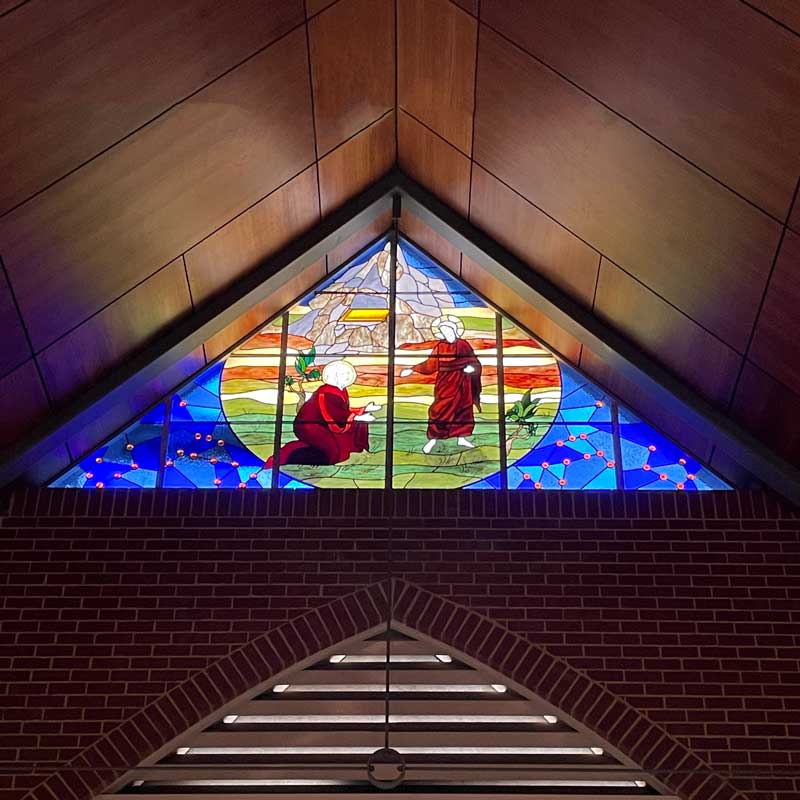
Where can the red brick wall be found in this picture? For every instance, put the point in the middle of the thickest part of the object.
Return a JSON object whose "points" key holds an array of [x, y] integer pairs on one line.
{"points": [[666, 622]]}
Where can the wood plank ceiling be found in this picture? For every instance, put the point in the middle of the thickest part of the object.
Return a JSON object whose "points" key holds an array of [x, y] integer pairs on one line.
{"points": [[644, 155]]}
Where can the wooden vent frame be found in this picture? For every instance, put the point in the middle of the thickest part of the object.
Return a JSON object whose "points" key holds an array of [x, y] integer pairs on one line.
{"points": [[463, 729]]}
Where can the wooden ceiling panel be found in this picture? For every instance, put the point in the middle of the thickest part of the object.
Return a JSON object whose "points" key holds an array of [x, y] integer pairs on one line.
{"points": [[667, 335], [427, 238], [433, 162], [770, 410], [265, 310], [98, 232], [246, 241], [104, 341], [535, 238], [692, 241], [469, 5], [352, 67], [315, 6], [714, 80], [350, 246], [776, 346], [436, 67], [645, 405], [784, 11], [357, 163], [497, 293], [15, 347], [23, 402], [82, 75]]}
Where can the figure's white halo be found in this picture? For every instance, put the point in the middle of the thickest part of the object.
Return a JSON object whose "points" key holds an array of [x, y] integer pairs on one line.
{"points": [[338, 373], [449, 320]]}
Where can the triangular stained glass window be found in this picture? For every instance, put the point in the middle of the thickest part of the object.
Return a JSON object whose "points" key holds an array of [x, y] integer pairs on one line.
{"points": [[339, 392]]}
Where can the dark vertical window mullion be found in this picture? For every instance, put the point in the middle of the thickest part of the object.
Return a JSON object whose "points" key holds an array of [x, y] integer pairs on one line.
{"points": [[276, 447], [617, 444], [501, 400], [162, 464], [392, 344]]}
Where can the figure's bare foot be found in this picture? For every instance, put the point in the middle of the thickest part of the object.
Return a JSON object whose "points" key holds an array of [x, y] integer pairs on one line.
{"points": [[429, 445], [465, 442]]}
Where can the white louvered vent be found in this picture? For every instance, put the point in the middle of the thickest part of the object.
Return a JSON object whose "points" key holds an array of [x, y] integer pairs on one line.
{"points": [[460, 729]]}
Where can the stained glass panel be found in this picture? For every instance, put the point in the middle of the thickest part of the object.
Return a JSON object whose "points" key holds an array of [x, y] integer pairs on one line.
{"points": [[651, 461], [130, 460], [406, 379], [577, 449]]}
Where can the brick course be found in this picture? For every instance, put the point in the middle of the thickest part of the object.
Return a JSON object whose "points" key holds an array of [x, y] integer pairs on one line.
{"points": [[666, 622]]}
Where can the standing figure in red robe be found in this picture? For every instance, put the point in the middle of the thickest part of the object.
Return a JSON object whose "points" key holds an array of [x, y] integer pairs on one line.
{"points": [[328, 430], [458, 384]]}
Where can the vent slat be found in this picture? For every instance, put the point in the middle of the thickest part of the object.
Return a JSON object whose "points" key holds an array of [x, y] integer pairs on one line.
{"points": [[334, 677], [462, 773], [298, 705], [401, 739]]}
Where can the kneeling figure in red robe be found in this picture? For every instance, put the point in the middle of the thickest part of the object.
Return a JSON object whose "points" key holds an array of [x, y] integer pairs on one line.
{"points": [[328, 430]]}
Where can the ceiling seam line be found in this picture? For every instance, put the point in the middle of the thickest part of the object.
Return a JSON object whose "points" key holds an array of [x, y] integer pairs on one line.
{"points": [[465, 10], [15, 8], [771, 18], [474, 112], [353, 135], [635, 125], [764, 293], [188, 282], [321, 11], [597, 281], [191, 300], [434, 132], [396, 23], [28, 339], [594, 302], [314, 121]]}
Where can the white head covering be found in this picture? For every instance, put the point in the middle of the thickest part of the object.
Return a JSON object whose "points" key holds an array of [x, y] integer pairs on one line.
{"points": [[450, 321], [339, 373]]}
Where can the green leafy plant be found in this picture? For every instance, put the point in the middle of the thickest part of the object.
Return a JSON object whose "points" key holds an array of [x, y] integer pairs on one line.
{"points": [[306, 371], [523, 415]]}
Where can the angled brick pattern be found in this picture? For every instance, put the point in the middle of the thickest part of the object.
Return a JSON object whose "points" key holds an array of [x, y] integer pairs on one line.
{"points": [[552, 678]]}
